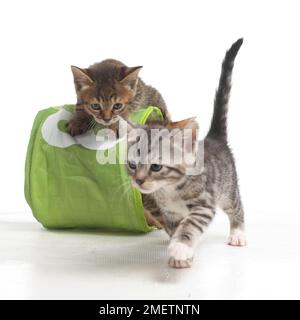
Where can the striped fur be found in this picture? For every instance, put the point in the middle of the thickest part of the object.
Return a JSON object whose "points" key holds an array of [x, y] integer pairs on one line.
{"points": [[218, 128], [185, 204], [105, 84]]}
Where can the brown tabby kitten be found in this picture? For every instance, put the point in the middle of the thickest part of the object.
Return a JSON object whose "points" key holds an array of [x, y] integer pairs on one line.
{"points": [[107, 91], [184, 203]]}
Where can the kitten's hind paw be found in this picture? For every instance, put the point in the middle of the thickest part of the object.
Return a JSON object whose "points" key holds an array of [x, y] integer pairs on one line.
{"points": [[237, 238], [180, 255]]}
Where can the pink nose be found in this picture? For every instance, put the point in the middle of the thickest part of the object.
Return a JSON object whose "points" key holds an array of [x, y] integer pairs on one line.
{"points": [[139, 181]]}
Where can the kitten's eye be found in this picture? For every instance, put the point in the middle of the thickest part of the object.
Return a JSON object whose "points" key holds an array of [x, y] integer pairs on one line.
{"points": [[156, 167], [118, 106], [96, 106], [132, 165]]}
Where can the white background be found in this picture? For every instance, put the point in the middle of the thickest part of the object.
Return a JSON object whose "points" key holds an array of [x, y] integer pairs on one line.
{"points": [[181, 45]]}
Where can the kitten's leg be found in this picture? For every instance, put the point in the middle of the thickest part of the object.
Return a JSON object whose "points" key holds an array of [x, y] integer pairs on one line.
{"points": [[186, 237], [235, 212], [79, 123], [152, 213], [151, 220]]}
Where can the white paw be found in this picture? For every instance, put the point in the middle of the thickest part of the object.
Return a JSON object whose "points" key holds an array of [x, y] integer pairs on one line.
{"points": [[180, 255], [237, 238]]}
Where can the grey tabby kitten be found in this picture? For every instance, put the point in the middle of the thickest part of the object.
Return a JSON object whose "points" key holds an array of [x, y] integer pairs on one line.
{"points": [[186, 204]]}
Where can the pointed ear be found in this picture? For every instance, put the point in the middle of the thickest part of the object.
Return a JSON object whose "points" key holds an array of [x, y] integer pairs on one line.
{"points": [[130, 77], [189, 123], [81, 79], [190, 135]]}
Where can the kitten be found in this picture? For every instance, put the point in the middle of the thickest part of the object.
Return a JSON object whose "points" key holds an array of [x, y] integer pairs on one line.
{"points": [[107, 91], [185, 204]]}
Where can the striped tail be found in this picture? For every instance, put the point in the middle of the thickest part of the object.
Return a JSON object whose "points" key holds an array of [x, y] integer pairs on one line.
{"points": [[218, 127]]}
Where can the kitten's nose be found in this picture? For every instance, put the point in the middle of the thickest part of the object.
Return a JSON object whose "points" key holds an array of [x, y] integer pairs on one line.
{"points": [[106, 119], [139, 181]]}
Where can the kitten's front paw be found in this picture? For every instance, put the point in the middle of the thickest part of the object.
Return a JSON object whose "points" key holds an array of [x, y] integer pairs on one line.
{"points": [[237, 238], [180, 255], [74, 128]]}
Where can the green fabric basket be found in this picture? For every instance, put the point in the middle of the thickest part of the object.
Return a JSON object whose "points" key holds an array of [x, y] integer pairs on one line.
{"points": [[66, 187]]}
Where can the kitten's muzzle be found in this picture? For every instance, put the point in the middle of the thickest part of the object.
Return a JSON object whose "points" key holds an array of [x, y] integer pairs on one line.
{"points": [[142, 185], [139, 181], [106, 121]]}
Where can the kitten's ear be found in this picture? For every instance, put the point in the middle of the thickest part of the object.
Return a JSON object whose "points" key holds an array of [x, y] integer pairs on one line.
{"points": [[130, 77], [81, 79], [190, 135], [189, 123]]}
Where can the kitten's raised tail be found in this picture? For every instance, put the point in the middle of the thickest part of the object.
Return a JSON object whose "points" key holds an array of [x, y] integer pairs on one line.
{"points": [[218, 128]]}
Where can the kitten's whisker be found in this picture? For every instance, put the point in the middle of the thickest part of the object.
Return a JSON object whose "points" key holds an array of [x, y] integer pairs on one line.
{"points": [[118, 178], [91, 124], [126, 189], [124, 185]]}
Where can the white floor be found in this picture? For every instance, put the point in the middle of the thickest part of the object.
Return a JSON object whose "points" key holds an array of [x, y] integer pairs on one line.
{"points": [[40, 264]]}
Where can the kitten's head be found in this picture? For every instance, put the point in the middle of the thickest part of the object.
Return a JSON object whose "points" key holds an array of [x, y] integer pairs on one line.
{"points": [[161, 144], [105, 89]]}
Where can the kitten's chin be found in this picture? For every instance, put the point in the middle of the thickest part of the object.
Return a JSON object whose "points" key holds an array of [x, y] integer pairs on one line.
{"points": [[105, 123], [144, 190]]}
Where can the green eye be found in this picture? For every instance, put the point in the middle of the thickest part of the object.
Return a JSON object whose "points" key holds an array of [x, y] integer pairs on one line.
{"points": [[156, 167], [96, 106], [118, 106]]}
